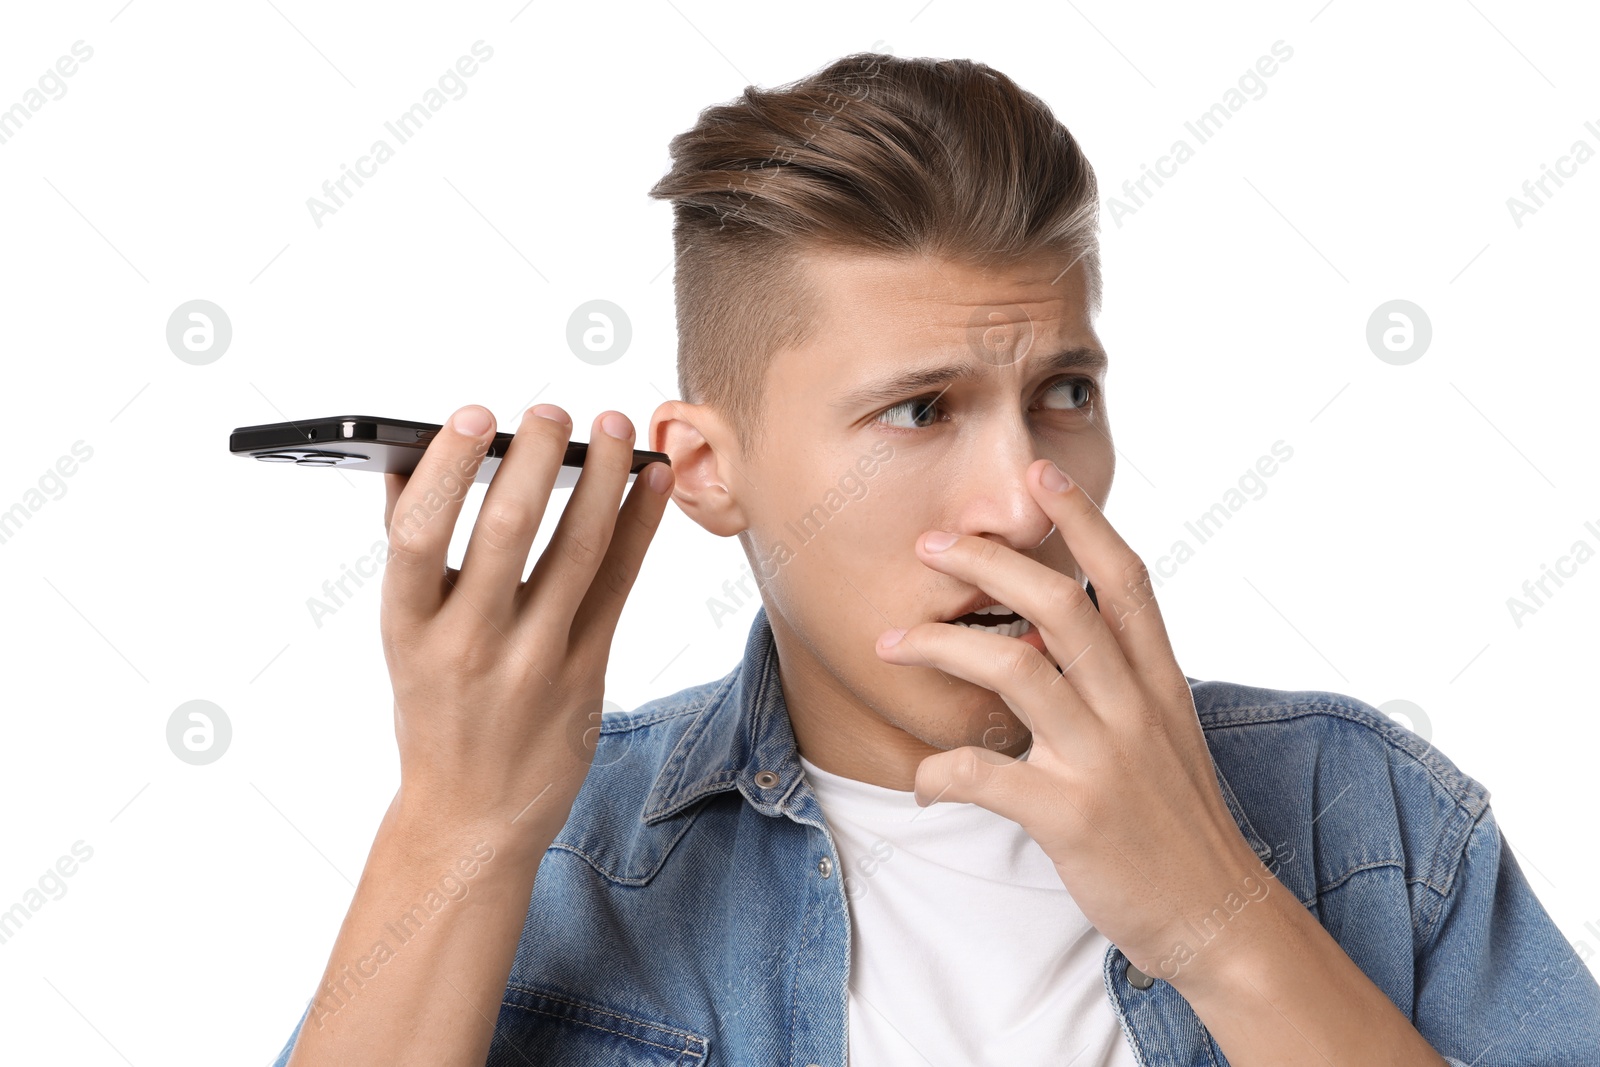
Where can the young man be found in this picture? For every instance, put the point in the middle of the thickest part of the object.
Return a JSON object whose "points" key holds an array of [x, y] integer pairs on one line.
{"points": [[888, 836]]}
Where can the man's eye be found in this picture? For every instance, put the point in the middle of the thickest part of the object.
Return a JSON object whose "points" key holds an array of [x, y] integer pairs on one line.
{"points": [[1066, 394], [1085, 385], [921, 407]]}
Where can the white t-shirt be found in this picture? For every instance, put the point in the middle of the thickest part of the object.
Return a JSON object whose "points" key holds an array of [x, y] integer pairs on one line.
{"points": [[965, 947]]}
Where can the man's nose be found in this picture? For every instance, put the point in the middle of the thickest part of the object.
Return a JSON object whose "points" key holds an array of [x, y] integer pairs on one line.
{"points": [[994, 497]]}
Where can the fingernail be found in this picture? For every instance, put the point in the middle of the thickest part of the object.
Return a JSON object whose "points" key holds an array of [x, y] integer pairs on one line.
{"points": [[1052, 479], [659, 477], [551, 412], [616, 425], [472, 421], [938, 541], [892, 638]]}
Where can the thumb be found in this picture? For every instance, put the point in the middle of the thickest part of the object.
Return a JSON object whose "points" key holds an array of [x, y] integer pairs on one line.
{"points": [[974, 775]]}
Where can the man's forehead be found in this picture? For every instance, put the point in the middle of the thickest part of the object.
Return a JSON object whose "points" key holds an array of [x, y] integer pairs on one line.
{"points": [[936, 301], [1045, 277]]}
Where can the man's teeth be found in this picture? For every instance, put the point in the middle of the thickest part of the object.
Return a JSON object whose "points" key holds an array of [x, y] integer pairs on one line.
{"points": [[1010, 629]]}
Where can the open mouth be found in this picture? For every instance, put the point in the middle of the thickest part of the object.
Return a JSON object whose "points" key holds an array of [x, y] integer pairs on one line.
{"points": [[998, 619]]}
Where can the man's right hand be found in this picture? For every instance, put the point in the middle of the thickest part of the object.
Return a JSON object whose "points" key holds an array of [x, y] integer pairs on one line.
{"points": [[495, 679], [498, 682]]}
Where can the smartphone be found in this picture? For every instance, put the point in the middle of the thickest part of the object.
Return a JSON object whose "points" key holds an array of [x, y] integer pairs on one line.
{"points": [[361, 442]]}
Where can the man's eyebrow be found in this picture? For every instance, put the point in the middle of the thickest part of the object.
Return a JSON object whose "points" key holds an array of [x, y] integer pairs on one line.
{"points": [[909, 383]]}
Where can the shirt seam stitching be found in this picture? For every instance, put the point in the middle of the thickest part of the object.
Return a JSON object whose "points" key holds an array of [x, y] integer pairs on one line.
{"points": [[1457, 785]]}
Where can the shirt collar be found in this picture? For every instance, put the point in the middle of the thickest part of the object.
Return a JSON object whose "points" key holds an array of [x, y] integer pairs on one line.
{"points": [[740, 738]]}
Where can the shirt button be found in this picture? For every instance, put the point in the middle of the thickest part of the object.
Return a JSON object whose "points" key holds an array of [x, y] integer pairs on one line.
{"points": [[825, 866], [1138, 979], [766, 779]]}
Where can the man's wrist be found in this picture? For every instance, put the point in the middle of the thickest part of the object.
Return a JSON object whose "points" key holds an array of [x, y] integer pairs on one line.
{"points": [[1260, 929], [432, 835]]}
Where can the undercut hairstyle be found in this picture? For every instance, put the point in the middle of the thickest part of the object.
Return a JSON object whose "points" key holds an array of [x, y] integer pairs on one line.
{"points": [[873, 154]]}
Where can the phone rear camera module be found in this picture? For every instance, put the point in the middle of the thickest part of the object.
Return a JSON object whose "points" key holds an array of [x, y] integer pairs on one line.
{"points": [[308, 457]]}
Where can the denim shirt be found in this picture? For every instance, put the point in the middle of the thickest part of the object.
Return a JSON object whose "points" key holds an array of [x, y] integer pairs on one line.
{"points": [[692, 910]]}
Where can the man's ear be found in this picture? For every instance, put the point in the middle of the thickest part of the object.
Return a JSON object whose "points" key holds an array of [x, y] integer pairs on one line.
{"points": [[699, 443]]}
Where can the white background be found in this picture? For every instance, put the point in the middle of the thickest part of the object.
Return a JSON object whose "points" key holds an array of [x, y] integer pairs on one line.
{"points": [[177, 167]]}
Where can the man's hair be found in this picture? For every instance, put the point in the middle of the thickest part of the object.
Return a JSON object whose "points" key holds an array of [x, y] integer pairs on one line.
{"points": [[873, 154]]}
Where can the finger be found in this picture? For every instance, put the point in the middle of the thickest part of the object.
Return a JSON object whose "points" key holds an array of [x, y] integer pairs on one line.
{"points": [[424, 515], [1020, 790], [976, 775], [581, 539], [1122, 583], [1052, 710], [513, 507], [636, 527], [394, 484], [1056, 605]]}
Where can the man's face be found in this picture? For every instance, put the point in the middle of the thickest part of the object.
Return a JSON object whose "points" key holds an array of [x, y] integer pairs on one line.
{"points": [[854, 468]]}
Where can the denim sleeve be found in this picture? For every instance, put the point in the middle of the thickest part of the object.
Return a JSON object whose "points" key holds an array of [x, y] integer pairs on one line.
{"points": [[1497, 984], [288, 1047]]}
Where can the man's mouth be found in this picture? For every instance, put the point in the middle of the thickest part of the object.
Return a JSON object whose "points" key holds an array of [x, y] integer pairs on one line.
{"points": [[997, 619]]}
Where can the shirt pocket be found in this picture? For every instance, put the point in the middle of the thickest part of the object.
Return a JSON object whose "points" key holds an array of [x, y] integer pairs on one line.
{"points": [[560, 1030]]}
